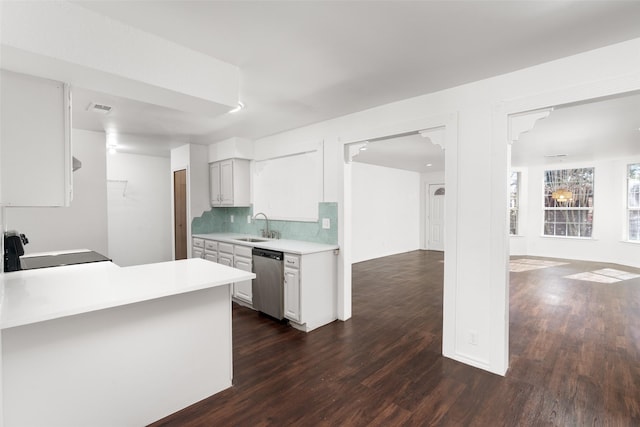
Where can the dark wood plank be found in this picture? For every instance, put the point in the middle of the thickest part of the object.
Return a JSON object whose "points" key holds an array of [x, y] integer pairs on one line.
{"points": [[575, 357]]}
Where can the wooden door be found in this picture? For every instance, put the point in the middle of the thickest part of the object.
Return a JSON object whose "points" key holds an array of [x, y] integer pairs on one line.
{"points": [[180, 213]]}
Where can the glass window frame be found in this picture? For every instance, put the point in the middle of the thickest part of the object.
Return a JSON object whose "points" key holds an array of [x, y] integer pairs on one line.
{"points": [[514, 203], [633, 206], [575, 219]]}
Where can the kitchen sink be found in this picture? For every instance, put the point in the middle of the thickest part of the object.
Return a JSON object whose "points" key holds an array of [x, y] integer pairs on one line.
{"points": [[251, 239]]}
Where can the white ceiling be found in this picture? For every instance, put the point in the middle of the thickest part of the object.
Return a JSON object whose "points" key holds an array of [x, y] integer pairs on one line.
{"points": [[410, 152], [309, 61], [601, 129]]}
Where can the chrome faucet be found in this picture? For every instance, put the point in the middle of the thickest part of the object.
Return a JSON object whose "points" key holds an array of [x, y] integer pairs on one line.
{"points": [[265, 233]]}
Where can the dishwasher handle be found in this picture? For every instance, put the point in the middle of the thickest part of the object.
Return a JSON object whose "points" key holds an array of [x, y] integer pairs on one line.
{"points": [[267, 253]]}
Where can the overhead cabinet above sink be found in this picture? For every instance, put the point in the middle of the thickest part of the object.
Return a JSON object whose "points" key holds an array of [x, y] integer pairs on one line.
{"points": [[229, 182]]}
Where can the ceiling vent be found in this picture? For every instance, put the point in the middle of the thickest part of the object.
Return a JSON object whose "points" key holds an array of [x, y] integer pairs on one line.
{"points": [[99, 108]]}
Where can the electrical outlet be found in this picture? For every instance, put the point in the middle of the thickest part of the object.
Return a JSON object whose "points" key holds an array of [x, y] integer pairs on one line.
{"points": [[326, 223], [473, 337], [231, 217], [248, 219]]}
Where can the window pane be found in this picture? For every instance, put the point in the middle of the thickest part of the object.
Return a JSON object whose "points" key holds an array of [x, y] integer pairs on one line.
{"points": [[634, 225], [571, 216], [514, 201], [633, 185], [561, 230], [549, 229], [513, 222]]}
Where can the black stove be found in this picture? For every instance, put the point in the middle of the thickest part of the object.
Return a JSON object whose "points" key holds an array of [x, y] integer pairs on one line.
{"points": [[58, 260]]}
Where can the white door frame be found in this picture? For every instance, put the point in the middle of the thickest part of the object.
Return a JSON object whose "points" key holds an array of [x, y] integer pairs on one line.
{"points": [[503, 137], [350, 145]]}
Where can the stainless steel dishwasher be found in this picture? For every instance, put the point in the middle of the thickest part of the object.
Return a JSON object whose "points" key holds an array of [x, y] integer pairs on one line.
{"points": [[268, 286]]}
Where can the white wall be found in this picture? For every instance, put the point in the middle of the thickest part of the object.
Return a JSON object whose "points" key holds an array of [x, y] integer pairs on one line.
{"points": [[386, 211], [609, 220], [476, 279], [83, 225], [140, 221]]}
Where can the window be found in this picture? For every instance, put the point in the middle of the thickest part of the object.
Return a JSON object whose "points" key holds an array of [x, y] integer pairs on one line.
{"points": [[633, 201], [568, 202], [514, 202]]}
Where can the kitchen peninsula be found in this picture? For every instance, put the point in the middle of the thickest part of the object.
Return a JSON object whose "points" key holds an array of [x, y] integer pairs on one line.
{"points": [[100, 345]]}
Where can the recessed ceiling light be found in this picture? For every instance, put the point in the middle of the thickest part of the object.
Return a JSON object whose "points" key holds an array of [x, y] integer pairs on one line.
{"points": [[429, 164], [239, 107], [363, 148]]}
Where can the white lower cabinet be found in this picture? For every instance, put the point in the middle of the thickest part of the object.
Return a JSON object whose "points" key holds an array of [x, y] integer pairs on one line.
{"points": [[292, 287], [310, 289], [206, 249], [243, 261], [310, 281], [197, 248], [292, 294], [211, 250], [225, 259]]}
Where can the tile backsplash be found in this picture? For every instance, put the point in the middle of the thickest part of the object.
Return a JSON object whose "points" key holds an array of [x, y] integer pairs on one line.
{"points": [[218, 220]]}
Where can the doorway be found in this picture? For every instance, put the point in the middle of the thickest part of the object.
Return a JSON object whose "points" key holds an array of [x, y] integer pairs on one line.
{"points": [[442, 131], [180, 213], [435, 218], [512, 120]]}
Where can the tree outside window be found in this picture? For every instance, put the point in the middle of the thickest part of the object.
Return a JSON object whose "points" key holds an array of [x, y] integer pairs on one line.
{"points": [[514, 202], [633, 201], [568, 202]]}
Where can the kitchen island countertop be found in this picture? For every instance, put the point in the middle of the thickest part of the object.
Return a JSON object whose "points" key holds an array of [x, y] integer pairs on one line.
{"points": [[100, 336], [44, 294]]}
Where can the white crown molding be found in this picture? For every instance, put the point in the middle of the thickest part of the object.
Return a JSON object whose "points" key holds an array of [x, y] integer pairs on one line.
{"points": [[525, 122], [435, 135]]}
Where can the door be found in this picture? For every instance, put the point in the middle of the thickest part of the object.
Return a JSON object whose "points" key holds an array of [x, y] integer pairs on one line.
{"points": [[242, 290], [180, 213], [436, 217], [214, 183], [292, 294], [226, 182]]}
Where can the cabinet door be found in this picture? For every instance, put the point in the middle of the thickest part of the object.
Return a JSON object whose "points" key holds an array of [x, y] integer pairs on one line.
{"points": [[242, 290], [35, 140], [292, 294], [211, 257], [225, 260], [214, 183], [226, 182], [197, 252]]}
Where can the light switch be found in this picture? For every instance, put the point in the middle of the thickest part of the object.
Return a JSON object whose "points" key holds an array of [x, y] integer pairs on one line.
{"points": [[326, 223], [248, 219], [232, 218]]}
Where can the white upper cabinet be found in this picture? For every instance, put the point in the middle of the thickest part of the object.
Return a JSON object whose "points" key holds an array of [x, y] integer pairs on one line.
{"points": [[35, 141], [229, 183]]}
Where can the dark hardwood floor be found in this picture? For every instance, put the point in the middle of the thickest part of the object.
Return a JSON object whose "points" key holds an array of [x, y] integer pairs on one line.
{"points": [[575, 357]]}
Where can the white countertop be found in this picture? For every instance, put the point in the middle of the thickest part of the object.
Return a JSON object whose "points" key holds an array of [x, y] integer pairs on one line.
{"points": [[298, 247], [49, 293]]}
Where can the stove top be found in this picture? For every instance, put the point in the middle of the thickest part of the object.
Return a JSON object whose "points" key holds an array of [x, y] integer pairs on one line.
{"points": [[58, 260]]}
